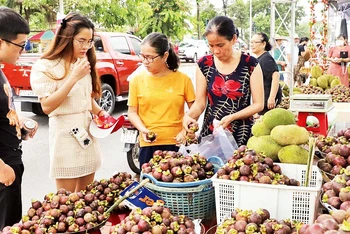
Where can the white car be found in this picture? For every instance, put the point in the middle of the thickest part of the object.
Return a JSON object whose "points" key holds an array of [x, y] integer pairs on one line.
{"points": [[193, 50]]}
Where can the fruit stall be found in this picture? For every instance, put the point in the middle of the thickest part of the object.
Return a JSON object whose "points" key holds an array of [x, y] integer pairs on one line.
{"points": [[287, 179]]}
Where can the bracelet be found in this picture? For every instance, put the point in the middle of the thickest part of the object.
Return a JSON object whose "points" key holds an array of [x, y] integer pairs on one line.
{"points": [[98, 114]]}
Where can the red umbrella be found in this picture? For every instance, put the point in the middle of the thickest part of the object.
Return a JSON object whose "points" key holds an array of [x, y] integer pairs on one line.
{"points": [[44, 35]]}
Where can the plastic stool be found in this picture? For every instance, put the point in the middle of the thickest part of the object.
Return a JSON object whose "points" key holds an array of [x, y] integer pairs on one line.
{"points": [[322, 118]]}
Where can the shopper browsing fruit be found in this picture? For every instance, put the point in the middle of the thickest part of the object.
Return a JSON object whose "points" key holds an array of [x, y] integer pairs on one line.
{"points": [[229, 84], [339, 57], [66, 82], [273, 94], [13, 128], [157, 97]]}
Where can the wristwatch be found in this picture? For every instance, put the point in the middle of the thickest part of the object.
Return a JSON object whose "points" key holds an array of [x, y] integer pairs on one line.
{"points": [[29, 124]]}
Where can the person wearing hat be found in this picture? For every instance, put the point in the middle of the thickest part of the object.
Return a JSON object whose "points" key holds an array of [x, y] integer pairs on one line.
{"points": [[279, 54]]}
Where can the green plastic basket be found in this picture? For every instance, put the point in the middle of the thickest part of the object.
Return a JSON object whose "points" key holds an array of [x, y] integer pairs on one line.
{"points": [[195, 202]]}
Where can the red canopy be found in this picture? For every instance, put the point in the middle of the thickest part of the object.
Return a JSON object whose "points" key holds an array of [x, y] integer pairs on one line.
{"points": [[44, 35]]}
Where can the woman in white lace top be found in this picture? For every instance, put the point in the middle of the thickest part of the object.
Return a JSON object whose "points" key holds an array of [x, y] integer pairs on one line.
{"points": [[67, 84]]}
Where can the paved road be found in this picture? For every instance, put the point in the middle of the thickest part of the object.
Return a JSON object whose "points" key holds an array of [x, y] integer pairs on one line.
{"points": [[36, 182]]}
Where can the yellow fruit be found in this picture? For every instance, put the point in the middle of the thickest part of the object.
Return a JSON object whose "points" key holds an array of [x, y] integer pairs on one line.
{"points": [[313, 82], [293, 154], [264, 145], [330, 79], [322, 82], [316, 71], [335, 82], [289, 135], [278, 116], [259, 129]]}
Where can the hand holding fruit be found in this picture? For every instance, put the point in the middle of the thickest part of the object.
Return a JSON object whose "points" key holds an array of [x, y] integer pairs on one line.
{"points": [[186, 121], [149, 136], [190, 135]]}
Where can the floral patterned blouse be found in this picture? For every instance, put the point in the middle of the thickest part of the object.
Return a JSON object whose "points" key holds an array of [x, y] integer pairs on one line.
{"points": [[228, 94]]}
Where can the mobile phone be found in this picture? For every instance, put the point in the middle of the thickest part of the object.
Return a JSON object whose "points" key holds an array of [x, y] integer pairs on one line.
{"points": [[344, 54], [82, 136]]}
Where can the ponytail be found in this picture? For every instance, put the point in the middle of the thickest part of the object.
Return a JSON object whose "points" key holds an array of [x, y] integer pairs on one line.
{"points": [[173, 60]]}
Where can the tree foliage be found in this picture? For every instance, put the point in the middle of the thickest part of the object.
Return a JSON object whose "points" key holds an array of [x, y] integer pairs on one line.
{"points": [[174, 18], [170, 17], [206, 11]]}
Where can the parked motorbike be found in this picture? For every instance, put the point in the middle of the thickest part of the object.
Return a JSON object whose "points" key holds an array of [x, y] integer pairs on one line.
{"points": [[130, 137]]}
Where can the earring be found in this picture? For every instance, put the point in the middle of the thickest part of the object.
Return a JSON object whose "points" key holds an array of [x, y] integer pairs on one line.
{"points": [[166, 64]]}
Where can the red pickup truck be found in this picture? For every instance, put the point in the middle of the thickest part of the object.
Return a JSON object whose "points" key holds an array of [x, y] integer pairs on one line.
{"points": [[117, 57]]}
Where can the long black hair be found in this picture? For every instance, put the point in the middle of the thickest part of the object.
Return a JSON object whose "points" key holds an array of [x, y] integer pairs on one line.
{"points": [[161, 44], [265, 39], [223, 26]]}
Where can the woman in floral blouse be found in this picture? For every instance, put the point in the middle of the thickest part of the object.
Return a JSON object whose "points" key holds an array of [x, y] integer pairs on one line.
{"points": [[229, 84]]}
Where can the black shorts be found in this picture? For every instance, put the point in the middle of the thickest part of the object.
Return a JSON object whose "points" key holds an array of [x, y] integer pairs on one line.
{"points": [[11, 199], [146, 153]]}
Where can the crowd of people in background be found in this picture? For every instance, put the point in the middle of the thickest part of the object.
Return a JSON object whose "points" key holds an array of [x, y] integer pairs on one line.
{"points": [[336, 57]]}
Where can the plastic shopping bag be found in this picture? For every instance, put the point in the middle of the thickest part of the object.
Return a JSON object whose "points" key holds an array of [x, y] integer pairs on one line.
{"points": [[221, 144], [183, 150]]}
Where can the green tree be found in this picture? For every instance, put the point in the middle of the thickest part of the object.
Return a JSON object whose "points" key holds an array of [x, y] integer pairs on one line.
{"points": [[239, 11], [208, 12], [40, 14], [303, 29], [170, 17], [205, 12]]}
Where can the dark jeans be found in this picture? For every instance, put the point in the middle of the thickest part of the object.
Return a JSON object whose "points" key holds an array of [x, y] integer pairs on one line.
{"points": [[146, 153], [11, 199]]}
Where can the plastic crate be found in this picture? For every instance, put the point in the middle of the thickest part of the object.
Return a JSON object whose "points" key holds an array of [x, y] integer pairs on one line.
{"points": [[283, 202], [193, 199], [195, 202]]}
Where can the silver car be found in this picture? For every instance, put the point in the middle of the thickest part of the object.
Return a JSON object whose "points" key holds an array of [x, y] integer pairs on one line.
{"points": [[192, 50]]}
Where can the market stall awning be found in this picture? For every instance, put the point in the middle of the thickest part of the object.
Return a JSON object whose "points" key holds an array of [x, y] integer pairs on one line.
{"points": [[44, 35], [342, 6]]}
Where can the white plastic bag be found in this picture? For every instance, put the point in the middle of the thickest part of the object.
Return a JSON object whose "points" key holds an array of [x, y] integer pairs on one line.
{"points": [[221, 144], [183, 150]]}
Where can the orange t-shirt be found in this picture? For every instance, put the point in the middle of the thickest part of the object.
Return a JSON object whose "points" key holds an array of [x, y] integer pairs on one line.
{"points": [[161, 103]]}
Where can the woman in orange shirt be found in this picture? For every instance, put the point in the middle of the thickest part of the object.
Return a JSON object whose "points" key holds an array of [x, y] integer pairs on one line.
{"points": [[157, 97]]}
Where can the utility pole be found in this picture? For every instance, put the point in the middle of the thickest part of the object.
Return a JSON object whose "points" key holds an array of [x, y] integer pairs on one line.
{"points": [[224, 4], [250, 22], [61, 7], [198, 21]]}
